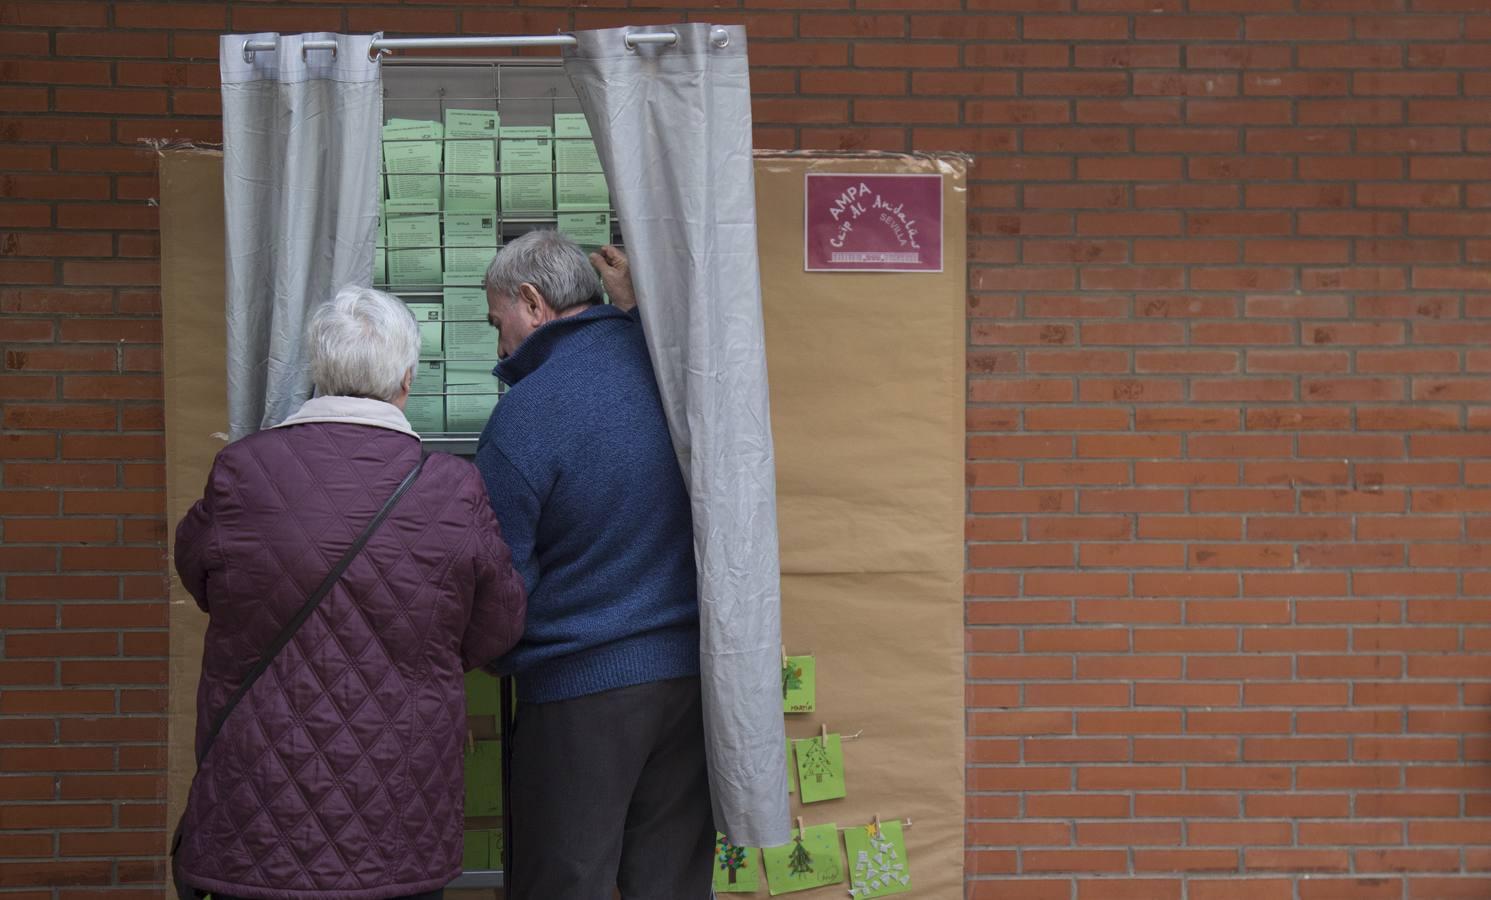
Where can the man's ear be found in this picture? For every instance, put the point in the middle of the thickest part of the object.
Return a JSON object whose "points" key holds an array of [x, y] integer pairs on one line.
{"points": [[532, 300], [408, 381]]}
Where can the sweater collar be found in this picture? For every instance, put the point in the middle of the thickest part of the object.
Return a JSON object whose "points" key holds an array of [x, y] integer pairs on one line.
{"points": [[351, 411], [540, 345]]}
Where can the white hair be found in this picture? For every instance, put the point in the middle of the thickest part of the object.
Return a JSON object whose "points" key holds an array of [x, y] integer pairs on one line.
{"points": [[549, 261], [362, 344]]}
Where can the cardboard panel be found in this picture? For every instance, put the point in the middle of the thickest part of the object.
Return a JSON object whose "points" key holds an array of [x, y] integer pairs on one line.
{"points": [[867, 381], [192, 278]]}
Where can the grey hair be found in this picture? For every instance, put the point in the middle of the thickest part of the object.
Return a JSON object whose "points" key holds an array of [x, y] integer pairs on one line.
{"points": [[549, 261], [362, 344]]}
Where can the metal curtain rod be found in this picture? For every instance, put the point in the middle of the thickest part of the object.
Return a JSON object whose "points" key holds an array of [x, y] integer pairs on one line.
{"points": [[719, 37]]}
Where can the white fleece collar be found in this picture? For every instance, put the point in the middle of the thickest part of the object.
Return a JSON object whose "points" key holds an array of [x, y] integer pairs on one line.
{"points": [[351, 411]]}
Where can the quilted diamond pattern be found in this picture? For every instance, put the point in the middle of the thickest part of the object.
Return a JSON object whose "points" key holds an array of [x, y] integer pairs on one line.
{"points": [[340, 773]]}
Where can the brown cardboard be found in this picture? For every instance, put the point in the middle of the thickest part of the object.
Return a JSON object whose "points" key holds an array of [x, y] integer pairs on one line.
{"points": [[867, 375], [191, 215]]}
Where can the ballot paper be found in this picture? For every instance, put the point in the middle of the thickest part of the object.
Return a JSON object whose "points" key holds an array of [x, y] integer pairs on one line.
{"points": [[409, 232], [579, 182], [414, 268], [471, 230], [470, 343], [470, 123], [470, 244], [470, 182], [468, 304], [412, 130], [525, 132], [380, 265], [425, 408], [430, 317], [590, 230], [467, 265], [527, 179], [571, 125], [413, 206], [413, 170], [471, 392]]}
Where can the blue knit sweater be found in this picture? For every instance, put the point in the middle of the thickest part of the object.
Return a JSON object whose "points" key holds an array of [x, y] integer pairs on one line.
{"points": [[587, 489]]}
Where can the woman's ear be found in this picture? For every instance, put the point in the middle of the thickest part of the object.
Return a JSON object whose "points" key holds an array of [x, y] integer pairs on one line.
{"points": [[408, 384]]}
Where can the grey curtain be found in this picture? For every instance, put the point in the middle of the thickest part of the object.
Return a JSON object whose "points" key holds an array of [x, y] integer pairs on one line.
{"points": [[301, 135], [673, 128]]}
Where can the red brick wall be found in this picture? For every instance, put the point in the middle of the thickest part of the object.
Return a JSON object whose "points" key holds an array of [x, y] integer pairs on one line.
{"points": [[1229, 392]]}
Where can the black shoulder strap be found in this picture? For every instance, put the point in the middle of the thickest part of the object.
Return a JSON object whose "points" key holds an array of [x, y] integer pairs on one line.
{"points": [[307, 608]]}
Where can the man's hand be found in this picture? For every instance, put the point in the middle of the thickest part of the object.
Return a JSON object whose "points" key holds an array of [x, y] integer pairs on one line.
{"points": [[616, 275]]}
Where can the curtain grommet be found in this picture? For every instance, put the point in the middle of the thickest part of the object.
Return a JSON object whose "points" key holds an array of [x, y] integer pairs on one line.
{"points": [[720, 38], [248, 55]]}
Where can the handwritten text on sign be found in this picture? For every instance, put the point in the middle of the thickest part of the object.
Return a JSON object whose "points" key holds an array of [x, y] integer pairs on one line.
{"points": [[873, 223]]}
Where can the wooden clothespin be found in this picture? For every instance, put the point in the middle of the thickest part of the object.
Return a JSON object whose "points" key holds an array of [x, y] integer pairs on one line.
{"points": [[823, 736], [784, 656], [800, 834], [876, 823]]}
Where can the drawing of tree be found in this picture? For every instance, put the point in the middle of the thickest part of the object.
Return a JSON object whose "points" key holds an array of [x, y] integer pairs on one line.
{"points": [[732, 858], [800, 863], [791, 678], [815, 761]]}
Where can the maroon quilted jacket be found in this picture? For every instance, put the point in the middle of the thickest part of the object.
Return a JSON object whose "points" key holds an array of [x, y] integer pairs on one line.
{"points": [[339, 775]]}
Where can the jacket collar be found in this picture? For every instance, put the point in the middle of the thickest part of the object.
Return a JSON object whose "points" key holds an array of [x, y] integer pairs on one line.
{"points": [[540, 345], [351, 411]]}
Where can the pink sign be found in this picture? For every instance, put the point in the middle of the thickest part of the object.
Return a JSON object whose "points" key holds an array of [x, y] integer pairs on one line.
{"points": [[873, 223]]}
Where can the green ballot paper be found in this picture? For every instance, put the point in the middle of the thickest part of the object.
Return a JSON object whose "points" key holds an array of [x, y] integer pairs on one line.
{"points": [[736, 869], [590, 230], [470, 179], [579, 182], [811, 859], [483, 696], [820, 768], [430, 317], [527, 176], [469, 304], [476, 853], [484, 779], [411, 130], [411, 232], [467, 265], [425, 408], [470, 123], [414, 268], [471, 388], [412, 205], [571, 125], [877, 860], [470, 244], [474, 344], [413, 170], [526, 132], [380, 265]]}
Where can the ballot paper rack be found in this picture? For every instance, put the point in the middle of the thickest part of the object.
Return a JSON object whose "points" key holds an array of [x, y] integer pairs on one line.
{"points": [[476, 151]]}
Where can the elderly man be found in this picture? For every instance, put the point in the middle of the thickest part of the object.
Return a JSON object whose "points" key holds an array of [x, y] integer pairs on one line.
{"points": [[610, 788]]}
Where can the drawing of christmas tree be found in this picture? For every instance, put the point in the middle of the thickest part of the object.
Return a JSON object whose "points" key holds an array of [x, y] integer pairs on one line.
{"points": [[801, 861], [791, 677], [815, 761], [731, 858]]}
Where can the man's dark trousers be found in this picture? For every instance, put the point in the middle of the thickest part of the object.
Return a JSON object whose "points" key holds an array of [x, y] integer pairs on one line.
{"points": [[611, 790]]}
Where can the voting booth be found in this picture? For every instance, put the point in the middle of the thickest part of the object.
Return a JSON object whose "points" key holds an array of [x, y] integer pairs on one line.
{"points": [[866, 405]]}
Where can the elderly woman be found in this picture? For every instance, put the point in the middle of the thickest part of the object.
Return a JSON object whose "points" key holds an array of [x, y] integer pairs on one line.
{"points": [[338, 773]]}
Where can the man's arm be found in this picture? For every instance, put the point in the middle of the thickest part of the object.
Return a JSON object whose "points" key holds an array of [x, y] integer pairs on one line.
{"points": [[616, 275]]}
